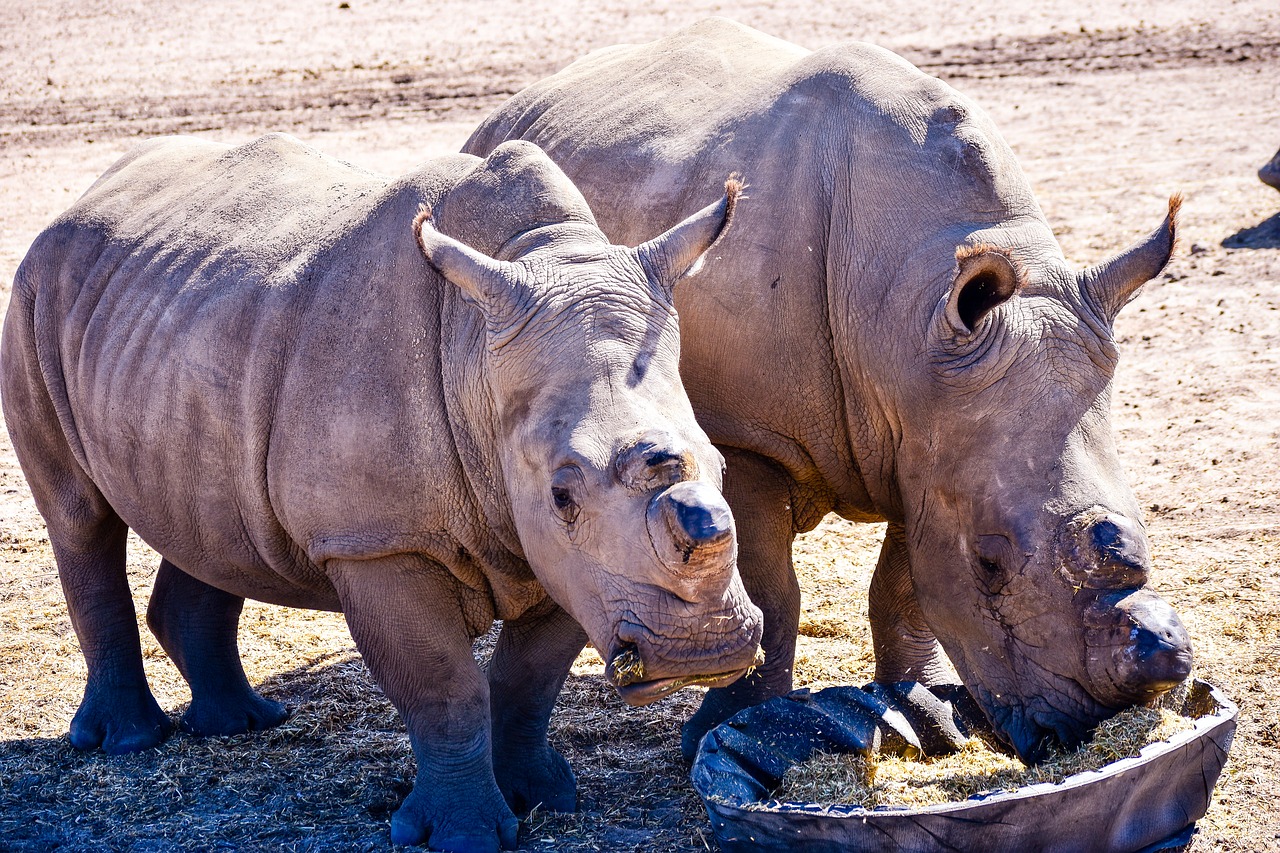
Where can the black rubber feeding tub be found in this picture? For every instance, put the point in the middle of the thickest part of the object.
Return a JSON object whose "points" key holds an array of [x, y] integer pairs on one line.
{"points": [[1135, 805]]}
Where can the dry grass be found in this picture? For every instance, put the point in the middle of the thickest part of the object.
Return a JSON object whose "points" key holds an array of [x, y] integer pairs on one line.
{"points": [[881, 780], [331, 775], [327, 779]]}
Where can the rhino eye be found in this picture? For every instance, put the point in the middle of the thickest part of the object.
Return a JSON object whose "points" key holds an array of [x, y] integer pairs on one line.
{"points": [[564, 484], [561, 498], [990, 556]]}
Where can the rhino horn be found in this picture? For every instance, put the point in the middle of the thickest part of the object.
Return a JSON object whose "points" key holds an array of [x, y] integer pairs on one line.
{"points": [[679, 252], [691, 528], [1109, 286], [493, 285]]}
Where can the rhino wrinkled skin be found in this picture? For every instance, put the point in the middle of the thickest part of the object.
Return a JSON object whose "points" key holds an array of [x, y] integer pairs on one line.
{"points": [[251, 357], [891, 333]]}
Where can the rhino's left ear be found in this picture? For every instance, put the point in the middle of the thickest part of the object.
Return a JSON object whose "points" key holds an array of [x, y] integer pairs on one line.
{"points": [[493, 285], [1109, 286], [679, 252]]}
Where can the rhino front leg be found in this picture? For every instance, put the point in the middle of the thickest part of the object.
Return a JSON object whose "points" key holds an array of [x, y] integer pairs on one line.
{"points": [[904, 644], [196, 623], [407, 619], [759, 494], [118, 711], [532, 659]]}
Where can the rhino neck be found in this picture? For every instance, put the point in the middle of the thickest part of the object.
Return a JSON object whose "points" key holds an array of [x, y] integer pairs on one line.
{"points": [[471, 409]]}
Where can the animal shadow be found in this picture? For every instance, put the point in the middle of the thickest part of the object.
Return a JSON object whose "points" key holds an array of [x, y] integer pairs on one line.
{"points": [[1264, 235]]}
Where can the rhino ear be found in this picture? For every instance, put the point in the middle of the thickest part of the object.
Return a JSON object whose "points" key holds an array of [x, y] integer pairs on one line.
{"points": [[491, 284], [679, 252], [986, 277], [1109, 286]]}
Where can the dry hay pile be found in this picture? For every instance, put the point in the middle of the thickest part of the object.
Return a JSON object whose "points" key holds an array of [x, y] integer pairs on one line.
{"points": [[882, 780]]}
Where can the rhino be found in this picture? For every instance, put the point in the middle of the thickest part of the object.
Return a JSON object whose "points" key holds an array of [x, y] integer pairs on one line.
{"points": [[1269, 174], [250, 357], [890, 333]]}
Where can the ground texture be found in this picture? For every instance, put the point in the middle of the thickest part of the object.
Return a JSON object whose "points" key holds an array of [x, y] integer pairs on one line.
{"points": [[1110, 106]]}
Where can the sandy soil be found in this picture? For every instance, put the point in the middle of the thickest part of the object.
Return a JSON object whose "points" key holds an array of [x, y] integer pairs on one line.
{"points": [[1110, 106]]}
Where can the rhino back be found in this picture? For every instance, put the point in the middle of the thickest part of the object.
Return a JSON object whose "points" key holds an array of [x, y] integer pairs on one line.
{"points": [[857, 165], [243, 347]]}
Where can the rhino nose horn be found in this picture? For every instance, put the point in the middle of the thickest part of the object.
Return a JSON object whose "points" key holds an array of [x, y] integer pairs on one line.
{"points": [[1161, 652], [1138, 647], [690, 522], [703, 518]]}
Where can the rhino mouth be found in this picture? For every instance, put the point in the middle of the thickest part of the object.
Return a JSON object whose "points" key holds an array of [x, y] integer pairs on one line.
{"points": [[1036, 730], [627, 675]]}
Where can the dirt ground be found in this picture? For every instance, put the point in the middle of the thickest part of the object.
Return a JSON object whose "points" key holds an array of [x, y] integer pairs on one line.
{"points": [[1110, 106]]}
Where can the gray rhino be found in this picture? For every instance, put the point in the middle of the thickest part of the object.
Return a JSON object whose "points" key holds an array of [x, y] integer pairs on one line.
{"points": [[1269, 174], [891, 333], [249, 356]]}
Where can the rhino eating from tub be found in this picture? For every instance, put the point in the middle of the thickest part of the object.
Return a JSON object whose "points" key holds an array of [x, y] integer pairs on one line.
{"points": [[250, 356], [892, 334]]}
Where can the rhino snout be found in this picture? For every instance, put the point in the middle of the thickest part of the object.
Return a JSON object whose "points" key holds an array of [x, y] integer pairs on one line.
{"points": [[691, 527], [1137, 647]]}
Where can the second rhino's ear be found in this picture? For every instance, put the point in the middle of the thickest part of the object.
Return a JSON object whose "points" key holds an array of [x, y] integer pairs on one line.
{"points": [[495, 286], [679, 252]]}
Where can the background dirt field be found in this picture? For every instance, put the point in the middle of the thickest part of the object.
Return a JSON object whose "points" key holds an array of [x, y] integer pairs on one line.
{"points": [[1110, 106]]}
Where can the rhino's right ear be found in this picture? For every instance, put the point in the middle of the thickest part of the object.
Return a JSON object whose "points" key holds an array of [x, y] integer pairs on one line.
{"points": [[494, 285], [679, 252]]}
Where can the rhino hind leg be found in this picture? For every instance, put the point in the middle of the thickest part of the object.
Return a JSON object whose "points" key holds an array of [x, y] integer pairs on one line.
{"points": [[760, 497], [530, 663], [196, 624], [118, 712]]}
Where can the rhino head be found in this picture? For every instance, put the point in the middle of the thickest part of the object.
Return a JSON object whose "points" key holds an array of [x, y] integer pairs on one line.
{"points": [[614, 490], [1029, 557]]}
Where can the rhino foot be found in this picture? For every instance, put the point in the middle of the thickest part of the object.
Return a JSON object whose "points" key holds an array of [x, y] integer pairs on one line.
{"points": [[232, 715], [120, 721], [532, 779], [468, 822]]}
